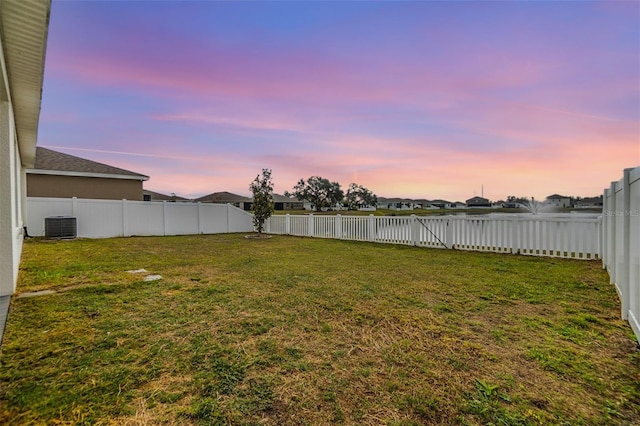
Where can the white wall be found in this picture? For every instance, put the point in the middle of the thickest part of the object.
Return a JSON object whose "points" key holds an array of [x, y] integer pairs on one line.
{"points": [[23, 42], [10, 192], [621, 243], [112, 218]]}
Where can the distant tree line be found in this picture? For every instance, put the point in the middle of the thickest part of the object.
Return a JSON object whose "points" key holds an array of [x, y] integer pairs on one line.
{"points": [[512, 199], [322, 193]]}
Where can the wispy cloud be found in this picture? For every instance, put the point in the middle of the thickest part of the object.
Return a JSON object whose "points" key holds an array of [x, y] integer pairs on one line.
{"points": [[135, 154], [570, 113]]}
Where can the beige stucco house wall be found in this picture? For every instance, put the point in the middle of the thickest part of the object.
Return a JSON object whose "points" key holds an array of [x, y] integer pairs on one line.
{"points": [[59, 175], [83, 187]]}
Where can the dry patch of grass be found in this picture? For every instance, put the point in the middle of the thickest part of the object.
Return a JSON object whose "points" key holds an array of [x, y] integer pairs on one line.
{"points": [[295, 331]]}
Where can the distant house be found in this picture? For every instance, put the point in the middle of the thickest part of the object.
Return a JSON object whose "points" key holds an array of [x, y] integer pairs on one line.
{"points": [[442, 204], [559, 201], [422, 204], [478, 202], [59, 175], [280, 202], [156, 196], [395, 203], [589, 203], [224, 197]]}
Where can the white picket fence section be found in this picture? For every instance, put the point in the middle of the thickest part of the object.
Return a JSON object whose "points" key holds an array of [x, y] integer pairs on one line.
{"points": [[621, 243], [118, 218], [570, 236]]}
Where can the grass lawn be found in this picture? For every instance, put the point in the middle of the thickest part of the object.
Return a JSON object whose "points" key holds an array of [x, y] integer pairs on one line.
{"points": [[298, 331]]}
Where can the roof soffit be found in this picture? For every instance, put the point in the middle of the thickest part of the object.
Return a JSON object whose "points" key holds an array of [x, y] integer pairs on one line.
{"points": [[24, 26]]}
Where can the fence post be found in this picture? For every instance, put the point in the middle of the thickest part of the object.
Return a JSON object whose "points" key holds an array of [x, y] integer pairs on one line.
{"points": [[372, 227], [287, 224], [415, 231], [515, 228], [74, 205], [448, 236], [605, 225], [338, 227], [125, 219], [623, 282], [613, 219], [165, 219], [310, 230], [600, 239], [228, 218], [200, 231]]}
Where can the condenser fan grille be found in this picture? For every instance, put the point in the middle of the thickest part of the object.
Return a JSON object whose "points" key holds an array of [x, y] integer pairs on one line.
{"points": [[60, 227]]}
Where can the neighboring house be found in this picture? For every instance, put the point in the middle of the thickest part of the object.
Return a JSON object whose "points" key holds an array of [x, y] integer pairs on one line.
{"points": [[156, 196], [59, 175], [559, 201], [589, 203], [444, 204], [422, 204], [478, 202], [224, 197], [339, 207], [401, 205], [280, 202], [308, 205], [395, 203], [24, 25], [441, 204]]}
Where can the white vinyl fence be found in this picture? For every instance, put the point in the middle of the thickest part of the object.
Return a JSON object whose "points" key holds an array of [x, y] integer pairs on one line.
{"points": [[621, 243], [117, 218], [570, 236]]}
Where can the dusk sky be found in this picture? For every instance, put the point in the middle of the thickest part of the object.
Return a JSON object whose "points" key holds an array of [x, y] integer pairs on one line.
{"points": [[410, 99]]}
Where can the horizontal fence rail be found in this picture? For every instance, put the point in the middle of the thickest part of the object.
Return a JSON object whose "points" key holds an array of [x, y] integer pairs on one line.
{"points": [[118, 218], [568, 237]]}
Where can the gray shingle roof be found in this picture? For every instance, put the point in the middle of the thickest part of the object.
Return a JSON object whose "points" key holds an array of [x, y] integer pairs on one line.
{"points": [[157, 196], [47, 159], [282, 199], [224, 197]]}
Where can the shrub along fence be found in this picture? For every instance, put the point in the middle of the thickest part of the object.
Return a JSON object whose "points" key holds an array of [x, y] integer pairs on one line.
{"points": [[118, 218], [621, 243], [570, 236]]}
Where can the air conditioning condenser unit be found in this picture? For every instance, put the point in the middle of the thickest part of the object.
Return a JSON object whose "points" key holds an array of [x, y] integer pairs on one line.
{"points": [[60, 227]]}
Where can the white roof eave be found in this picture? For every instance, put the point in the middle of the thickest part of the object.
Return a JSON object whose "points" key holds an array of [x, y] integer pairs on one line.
{"points": [[86, 174], [24, 26]]}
